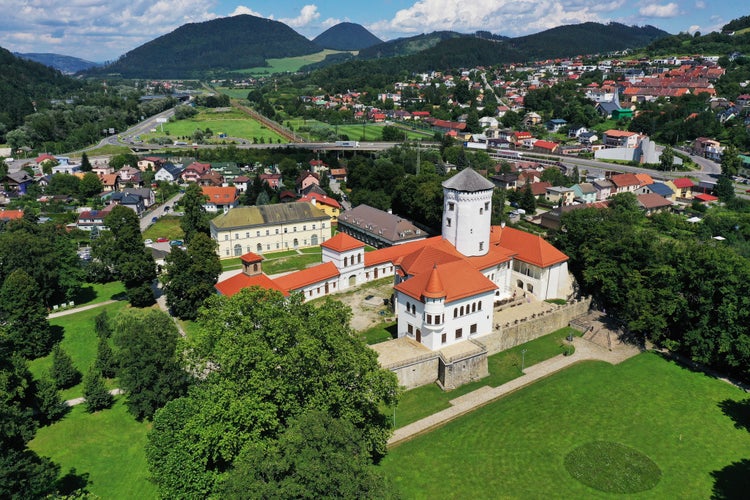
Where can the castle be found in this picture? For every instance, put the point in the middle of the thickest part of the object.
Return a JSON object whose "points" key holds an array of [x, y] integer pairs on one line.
{"points": [[445, 287]]}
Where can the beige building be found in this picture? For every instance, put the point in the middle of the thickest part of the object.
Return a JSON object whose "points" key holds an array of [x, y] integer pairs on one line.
{"points": [[269, 228]]}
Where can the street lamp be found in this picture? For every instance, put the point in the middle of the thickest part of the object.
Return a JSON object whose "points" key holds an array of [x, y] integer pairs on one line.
{"points": [[523, 359]]}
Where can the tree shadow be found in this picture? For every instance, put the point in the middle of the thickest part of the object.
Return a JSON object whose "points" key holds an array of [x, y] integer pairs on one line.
{"points": [[738, 411], [393, 330], [56, 333], [73, 485], [733, 481], [85, 295]]}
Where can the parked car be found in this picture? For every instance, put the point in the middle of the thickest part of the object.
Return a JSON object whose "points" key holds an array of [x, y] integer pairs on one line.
{"points": [[162, 240], [176, 243], [148, 241], [154, 219]]}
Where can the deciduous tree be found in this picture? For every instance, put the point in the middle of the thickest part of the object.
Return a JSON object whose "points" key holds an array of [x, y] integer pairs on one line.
{"points": [[194, 219], [22, 311]]}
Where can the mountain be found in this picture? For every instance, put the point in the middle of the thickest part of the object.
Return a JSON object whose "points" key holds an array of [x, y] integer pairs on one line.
{"points": [[26, 85], [212, 47], [346, 36], [66, 64], [407, 46]]}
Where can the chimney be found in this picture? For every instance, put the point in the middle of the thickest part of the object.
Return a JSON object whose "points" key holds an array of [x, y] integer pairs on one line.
{"points": [[502, 225]]}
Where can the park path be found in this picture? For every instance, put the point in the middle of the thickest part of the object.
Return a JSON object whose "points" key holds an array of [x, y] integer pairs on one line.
{"points": [[77, 401], [584, 350], [74, 310]]}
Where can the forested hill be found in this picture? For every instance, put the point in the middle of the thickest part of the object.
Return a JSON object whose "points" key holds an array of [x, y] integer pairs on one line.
{"points": [[66, 64], [346, 36], [467, 51], [23, 83], [216, 46], [407, 46]]}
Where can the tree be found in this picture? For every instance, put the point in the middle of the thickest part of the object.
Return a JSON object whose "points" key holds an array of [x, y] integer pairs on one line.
{"points": [[22, 311], [666, 159], [94, 391], [105, 360], [102, 325], [724, 188], [266, 359], [393, 134], [23, 473], [149, 369], [317, 456], [194, 219], [51, 407], [121, 250], [730, 161], [63, 372], [89, 186], [527, 201], [85, 163], [191, 275]]}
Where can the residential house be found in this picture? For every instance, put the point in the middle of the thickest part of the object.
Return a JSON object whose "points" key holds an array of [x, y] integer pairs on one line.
{"points": [[147, 195], [241, 182], [17, 182], [318, 166], [683, 187], [93, 220], [507, 180], [110, 182], [168, 172], [576, 131], [273, 180], [268, 228], [559, 195], [584, 192], [588, 138], [8, 215], [652, 203], [531, 119], [661, 189], [287, 196], [324, 202], [338, 174], [194, 171], [150, 163], [220, 199], [305, 180], [707, 148], [604, 189], [625, 183], [620, 139], [547, 147], [129, 200], [211, 178], [556, 124]]}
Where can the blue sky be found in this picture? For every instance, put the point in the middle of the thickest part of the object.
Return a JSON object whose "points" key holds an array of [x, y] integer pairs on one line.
{"points": [[102, 30]]}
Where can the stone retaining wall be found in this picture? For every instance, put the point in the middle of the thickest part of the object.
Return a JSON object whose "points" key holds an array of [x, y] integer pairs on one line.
{"points": [[510, 335]]}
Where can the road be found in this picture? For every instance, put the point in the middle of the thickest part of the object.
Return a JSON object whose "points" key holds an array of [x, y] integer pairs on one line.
{"points": [[336, 188], [158, 211]]}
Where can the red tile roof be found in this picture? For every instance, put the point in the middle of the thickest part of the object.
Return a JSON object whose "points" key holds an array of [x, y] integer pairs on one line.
{"points": [[705, 197], [683, 182], [391, 254], [231, 286], [250, 257], [11, 214], [320, 198], [300, 279], [623, 180], [220, 195], [342, 242], [472, 282], [528, 247], [434, 288]]}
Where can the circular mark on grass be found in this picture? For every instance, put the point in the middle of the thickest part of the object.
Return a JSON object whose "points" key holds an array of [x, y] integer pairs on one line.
{"points": [[612, 467]]}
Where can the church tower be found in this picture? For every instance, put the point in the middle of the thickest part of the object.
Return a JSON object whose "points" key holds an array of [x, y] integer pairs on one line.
{"points": [[467, 211]]}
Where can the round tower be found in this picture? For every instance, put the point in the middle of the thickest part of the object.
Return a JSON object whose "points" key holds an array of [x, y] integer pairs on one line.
{"points": [[433, 297], [467, 211]]}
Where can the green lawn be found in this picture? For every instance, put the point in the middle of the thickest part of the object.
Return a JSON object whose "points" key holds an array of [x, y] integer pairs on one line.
{"points": [[79, 341], [355, 131], [293, 263], [94, 293], [379, 333], [107, 445], [421, 402], [516, 447], [166, 227], [288, 64], [233, 123]]}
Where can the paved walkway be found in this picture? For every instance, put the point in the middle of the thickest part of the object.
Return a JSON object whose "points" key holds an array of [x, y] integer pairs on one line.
{"points": [[79, 309], [77, 401], [585, 350]]}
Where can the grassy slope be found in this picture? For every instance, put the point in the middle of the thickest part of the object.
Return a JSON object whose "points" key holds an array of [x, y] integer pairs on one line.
{"points": [[233, 123], [108, 445], [289, 64], [515, 447]]}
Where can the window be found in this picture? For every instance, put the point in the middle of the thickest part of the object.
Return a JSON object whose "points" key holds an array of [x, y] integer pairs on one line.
{"points": [[359, 258], [481, 246], [451, 206], [473, 329], [313, 226], [429, 319], [267, 232], [474, 307], [410, 329], [257, 233], [481, 210], [226, 237], [444, 338], [277, 230], [486, 205], [304, 228], [459, 333], [247, 234], [323, 225], [346, 261], [277, 246], [268, 246], [295, 229], [455, 313], [285, 230]]}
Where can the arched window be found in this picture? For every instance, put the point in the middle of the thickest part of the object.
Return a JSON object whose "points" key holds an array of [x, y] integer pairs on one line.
{"points": [[314, 240], [296, 242], [346, 261], [237, 250], [259, 248]]}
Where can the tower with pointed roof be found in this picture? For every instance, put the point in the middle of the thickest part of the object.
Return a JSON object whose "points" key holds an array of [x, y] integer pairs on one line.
{"points": [[467, 210]]}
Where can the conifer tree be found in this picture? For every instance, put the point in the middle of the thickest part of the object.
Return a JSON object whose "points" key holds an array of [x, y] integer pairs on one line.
{"points": [[96, 394], [105, 359], [51, 407], [63, 372]]}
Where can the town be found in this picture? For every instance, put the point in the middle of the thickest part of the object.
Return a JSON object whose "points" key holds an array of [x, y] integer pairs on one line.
{"points": [[497, 253]]}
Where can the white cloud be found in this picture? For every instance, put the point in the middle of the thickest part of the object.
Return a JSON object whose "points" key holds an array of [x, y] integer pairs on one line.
{"points": [[692, 29], [700, 4], [241, 9], [506, 17], [668, 10], [307, 15], [332, 22]]}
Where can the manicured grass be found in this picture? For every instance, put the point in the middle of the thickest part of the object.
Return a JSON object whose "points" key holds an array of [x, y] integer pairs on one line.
{"points": [[166, 227], [355, 131], [516, 446], [293, 263], [612, 467], [233, 123], [312, 250], [234, 93], [94, 293], [229, 264], [109, 150], [379, 333], [79, 340], [107, 445], [421, 402]]}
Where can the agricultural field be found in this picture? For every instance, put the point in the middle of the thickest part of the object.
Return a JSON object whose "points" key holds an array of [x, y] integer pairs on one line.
{"points": [[288, 64], [648, 427], [366, 131], [234, 123]]}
